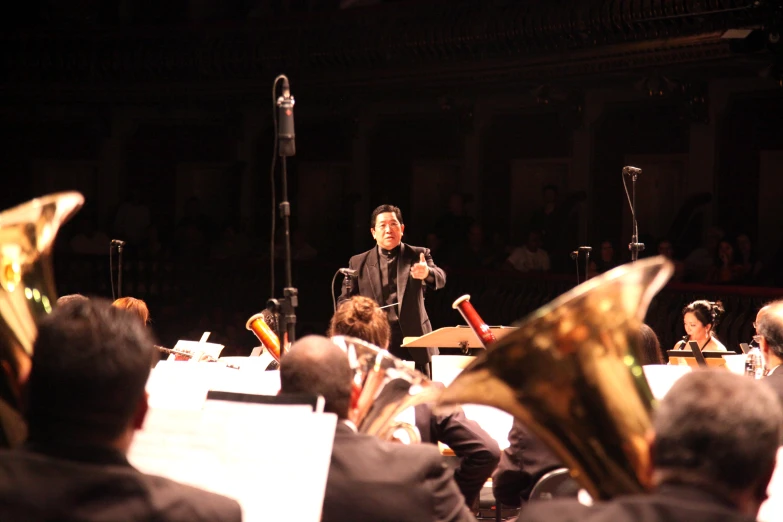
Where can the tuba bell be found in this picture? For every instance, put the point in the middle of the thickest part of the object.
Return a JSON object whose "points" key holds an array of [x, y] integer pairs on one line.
{"points": [[384, 387], [571, 373], [27, 290]]}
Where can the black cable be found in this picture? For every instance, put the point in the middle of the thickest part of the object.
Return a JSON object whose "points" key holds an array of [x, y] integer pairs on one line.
{"points": [[274, 196], [334, 299]]}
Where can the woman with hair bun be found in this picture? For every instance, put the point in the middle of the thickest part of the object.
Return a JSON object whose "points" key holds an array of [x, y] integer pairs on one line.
{"points": [[700, 319]]}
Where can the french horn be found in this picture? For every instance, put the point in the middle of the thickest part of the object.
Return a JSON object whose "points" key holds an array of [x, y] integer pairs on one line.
{"points": [[571, 373], [27, 290], [384, 387]]}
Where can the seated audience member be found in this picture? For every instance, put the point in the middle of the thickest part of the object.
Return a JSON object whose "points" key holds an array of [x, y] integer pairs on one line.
{"points": [[361, 317], [650, 347], [369, 479], [70, 298], [769, 335], [86, 398], [522, 464], [700, 319], [530, 257], [136, 306], [726, 267], [605, 260], [716, 436], [666, 249]]}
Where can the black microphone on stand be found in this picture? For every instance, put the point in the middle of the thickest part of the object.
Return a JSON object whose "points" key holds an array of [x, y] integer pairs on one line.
{"points": [[285, 128], [119, 244], [349, 274]]}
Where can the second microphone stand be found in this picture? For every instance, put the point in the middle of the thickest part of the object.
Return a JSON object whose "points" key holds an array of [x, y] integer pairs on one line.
{"points": [[634, 246]]}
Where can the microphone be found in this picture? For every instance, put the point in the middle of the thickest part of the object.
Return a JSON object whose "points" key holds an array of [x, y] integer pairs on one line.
{"points": [[635, 171], [285, 121], [585, 249], [347, 272], [117, 242]]}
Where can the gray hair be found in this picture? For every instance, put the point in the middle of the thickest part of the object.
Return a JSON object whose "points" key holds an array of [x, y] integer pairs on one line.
{"points": [[721, 428]]}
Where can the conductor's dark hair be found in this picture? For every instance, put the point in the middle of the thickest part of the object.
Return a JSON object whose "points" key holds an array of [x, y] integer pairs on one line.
{"points": [[316, 366], [382, 209], [717, 428], [90, 366]]}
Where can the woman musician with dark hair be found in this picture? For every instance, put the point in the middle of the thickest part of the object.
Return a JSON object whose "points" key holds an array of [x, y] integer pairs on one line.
{"points": [[700, 318]]}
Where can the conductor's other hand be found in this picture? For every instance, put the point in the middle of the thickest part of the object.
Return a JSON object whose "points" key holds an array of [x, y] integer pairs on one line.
{"points": [[420, 270]]}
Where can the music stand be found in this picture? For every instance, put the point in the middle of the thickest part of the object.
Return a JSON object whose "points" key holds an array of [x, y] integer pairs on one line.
{"points": [[710, 358], [454, 337], [745, 347]]}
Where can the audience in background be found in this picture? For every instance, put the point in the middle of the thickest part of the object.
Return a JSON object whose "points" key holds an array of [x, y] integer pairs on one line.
{"points": [[530, 257]]}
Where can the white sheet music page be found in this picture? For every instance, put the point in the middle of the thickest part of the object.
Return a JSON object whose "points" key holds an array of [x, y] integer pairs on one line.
{"points": [[244, 451]]}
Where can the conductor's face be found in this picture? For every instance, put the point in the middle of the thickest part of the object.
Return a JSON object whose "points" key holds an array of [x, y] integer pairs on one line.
{"points": [[388, 230]]}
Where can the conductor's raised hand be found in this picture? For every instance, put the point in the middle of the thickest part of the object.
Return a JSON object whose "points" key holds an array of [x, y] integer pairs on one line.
{"points": [[420, 270]]}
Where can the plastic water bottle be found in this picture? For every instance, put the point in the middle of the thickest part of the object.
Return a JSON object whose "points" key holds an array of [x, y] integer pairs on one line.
{"points": [[754, 364]]}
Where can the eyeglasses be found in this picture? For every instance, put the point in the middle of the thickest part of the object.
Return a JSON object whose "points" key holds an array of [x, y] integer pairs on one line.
{"points": [[757, 338], [754, 325]]}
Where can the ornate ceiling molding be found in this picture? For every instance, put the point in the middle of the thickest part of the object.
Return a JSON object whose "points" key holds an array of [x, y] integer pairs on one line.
{"points": [[418, 45]]}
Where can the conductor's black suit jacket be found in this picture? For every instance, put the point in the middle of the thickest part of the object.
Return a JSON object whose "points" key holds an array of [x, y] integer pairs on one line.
{"points": [[411, 312]]}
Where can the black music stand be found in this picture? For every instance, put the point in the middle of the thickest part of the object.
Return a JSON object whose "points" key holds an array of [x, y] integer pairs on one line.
{"points": [[462, 337]]}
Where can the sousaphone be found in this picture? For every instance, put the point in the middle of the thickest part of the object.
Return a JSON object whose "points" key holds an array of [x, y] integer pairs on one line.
{"points": [[27, 290], [571, 373]]}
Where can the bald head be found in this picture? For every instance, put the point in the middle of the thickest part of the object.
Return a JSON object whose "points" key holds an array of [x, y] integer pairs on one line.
{"points": [[316, 366], [769, 325]]}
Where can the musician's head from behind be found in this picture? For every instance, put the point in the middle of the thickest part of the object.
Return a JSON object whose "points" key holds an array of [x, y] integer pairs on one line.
{"points": [[316, 366], [386, 226], [135, 306], [70, 298], [769, 328], [650, 346], [700, 318], [361, 317], [718, 431], [90, 366]]}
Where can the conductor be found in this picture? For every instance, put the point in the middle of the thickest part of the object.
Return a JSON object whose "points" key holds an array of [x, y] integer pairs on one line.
{"points": [[395, 275]]}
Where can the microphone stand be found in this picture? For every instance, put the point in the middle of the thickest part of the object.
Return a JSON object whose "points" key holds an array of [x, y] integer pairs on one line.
{"points": [[119, 270], [285, 308], [635, 247]]}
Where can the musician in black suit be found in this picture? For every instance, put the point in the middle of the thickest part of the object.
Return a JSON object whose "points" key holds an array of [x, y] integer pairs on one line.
{"points": [[477, 451], [522, 464], [86, 398], [769, 335], [712, 457], [369, 479], [395, 274]]}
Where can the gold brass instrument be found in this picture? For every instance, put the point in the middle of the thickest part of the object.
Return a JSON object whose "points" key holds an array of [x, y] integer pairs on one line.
{"points": [[385, 388], [571, 373], [27, 290]]}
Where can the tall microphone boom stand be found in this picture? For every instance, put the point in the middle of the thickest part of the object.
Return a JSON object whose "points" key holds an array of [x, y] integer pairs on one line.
{"points": [[635, 247], [285, 308]]}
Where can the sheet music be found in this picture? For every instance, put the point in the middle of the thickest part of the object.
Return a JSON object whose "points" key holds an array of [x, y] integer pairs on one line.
{"points": [[772, 509], [244, 451]]}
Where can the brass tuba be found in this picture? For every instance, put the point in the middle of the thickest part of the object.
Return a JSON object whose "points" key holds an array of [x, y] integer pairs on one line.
{"points": [[384, 388], [27, 289], [571, 374]]}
